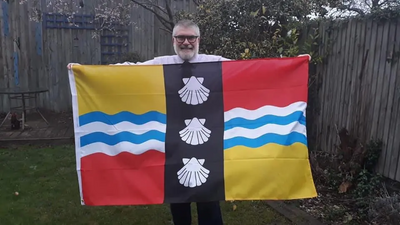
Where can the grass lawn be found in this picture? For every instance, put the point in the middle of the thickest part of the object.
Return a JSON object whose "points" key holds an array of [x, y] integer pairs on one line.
{"points": [[46, 181]]}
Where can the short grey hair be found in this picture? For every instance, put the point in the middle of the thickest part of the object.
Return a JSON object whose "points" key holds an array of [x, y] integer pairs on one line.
{"points": [[186, 24]]}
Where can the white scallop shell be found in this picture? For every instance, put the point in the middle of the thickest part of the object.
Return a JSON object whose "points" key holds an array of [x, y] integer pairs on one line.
{"points": [[193, 174], [195, 132], [194, 92]]}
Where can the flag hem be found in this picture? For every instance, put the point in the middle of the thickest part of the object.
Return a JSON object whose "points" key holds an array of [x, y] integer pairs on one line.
{"points": [[75, 115]]}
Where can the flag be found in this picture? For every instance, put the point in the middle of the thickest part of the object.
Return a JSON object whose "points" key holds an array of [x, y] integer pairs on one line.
{"points": [[192, 132]]}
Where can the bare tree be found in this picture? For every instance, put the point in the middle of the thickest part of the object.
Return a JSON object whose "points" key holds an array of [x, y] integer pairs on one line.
{"points": [[162, 12], [362, 7], [108, 14]]}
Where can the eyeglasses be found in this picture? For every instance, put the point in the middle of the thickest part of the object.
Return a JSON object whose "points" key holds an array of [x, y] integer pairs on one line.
{"points": [[181, 39]]}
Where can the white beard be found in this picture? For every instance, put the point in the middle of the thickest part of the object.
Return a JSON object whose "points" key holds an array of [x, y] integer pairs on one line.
{"points": [[188, 55]]}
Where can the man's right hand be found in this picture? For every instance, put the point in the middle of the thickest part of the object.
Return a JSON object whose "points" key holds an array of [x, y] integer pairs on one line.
{"points": [[69, 66]]}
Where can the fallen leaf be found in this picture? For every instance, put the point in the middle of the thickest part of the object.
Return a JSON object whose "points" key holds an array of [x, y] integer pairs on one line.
{"points": [[344, 187], [234, 207], [348, 218]]}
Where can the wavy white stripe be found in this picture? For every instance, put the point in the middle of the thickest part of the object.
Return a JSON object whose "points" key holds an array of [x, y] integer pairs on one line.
{"points": [[136, 149], [265, 110], [268, 128], [122, 126]]}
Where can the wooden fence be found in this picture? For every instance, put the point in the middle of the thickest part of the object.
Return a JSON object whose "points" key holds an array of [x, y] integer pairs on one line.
{"points": [[36, 53], [358, 83], [359, 87]]}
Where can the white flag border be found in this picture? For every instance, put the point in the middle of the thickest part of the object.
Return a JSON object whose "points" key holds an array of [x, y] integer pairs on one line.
{"points": [[75, 114]]}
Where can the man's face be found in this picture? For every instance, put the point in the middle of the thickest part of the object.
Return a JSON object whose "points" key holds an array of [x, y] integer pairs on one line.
{"points": [[186, 43]]}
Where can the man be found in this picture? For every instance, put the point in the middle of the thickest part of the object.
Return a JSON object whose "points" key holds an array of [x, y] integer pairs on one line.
{"points": [[186, 39]]}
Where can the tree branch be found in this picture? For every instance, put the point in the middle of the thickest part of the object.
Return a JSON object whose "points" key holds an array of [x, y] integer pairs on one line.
{"points": [[196, 2], [375, 4], [367, 3], [170, 15], [150, 5], [357, 10], [164, 21], [162, 28], [385, 2]]}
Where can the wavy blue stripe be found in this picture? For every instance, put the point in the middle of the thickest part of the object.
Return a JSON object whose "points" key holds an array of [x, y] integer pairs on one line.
{"points": [[120, 137], [122, 116], [267, 119], [285, 140]]}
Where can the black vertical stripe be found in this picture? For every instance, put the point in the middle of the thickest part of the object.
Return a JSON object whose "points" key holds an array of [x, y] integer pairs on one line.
{"points": [[176, 149]]}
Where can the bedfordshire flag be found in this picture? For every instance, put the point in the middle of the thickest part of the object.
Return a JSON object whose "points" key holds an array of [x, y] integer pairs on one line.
{"points": [[153, 134]]}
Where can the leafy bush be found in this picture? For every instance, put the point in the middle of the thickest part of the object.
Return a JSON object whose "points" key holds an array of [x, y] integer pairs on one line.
{"points": [[241, 29]]}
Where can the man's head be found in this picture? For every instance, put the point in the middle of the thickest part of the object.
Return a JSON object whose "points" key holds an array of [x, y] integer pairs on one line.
{"points": [[186, 39]]}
